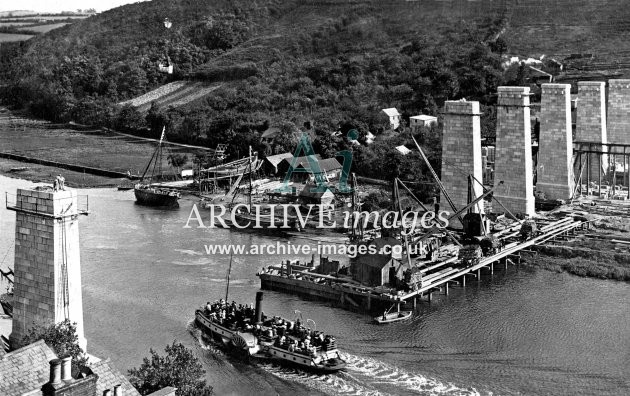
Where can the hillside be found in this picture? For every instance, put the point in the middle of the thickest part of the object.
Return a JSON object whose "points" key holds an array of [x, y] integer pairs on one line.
{"points": [[252, 65]]}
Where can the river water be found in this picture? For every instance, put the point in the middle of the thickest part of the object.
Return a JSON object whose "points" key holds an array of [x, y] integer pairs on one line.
{"points": [[524, 332]]}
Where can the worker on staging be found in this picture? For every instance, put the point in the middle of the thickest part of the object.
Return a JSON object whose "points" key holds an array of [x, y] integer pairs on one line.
{"points": [[61, 181]]}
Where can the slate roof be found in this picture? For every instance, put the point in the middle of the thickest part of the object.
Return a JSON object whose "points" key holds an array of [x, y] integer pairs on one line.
{"points": [[26, 369], [109, 376], [325, 165], [169, 390], [276, 159]]}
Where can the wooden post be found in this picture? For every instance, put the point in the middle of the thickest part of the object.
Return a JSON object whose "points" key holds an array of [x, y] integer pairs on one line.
{"points": [[369, 301], [614, 176], [429, 295], [415, 302], [588, 174], [492, 267], [479, 274], [446, 288], [599, 176], [464, 280]]}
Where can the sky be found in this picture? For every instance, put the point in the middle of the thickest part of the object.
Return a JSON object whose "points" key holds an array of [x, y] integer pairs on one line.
{"points": [[61, 5]]}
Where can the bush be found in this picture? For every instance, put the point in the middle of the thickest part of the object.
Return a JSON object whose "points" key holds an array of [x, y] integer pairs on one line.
{"points": [[179, 368]]}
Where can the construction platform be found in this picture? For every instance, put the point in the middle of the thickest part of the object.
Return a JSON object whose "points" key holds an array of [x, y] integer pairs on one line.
{"points": [[436, 275]]}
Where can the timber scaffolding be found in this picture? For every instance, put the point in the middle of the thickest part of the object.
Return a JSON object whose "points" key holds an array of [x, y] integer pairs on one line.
{"points": [[607, 158], [437, 275]]}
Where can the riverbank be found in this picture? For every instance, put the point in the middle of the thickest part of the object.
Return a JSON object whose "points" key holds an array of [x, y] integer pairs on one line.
{"points": [[602, 253], [46, 174], [107, 151]]}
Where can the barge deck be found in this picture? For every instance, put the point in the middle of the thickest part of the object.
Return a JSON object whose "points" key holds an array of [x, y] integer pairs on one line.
{"points": [[350, 294]]}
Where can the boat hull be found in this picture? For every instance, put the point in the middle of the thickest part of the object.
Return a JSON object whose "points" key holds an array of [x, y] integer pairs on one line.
{"points": [[245, 344], [155, 197], [393, 317]]}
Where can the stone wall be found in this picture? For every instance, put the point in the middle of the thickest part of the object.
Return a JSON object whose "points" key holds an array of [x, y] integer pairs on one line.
{"points": [[46, 243], [619, 111], [513, 163], [461, 154], [555, 150], [591, 126]]}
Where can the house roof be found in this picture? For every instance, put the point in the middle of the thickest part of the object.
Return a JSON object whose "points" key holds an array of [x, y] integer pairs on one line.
{"points": [[378, 260], [109, 376], [391, 112], [403, 150], [26, 369], [276, 159], [424, 117], [325, 165]]}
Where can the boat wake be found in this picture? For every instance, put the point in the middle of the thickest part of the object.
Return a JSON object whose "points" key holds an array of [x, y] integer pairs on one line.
{"points": [[390, 378], [363, 376], [369, 377]]}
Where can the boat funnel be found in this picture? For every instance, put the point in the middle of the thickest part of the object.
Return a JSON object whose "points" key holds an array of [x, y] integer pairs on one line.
{"points": [[259, 298]]}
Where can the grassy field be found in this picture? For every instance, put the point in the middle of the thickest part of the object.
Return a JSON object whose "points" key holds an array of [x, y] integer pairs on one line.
{"points": [[10, 37], [42, 28], [94, 148], [3, 24], [594, 254], [46, 174]]}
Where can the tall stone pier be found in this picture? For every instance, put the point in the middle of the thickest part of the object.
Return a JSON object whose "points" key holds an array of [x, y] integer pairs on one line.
{"points": [[513, 163], [47, 266], [461, 154], [591, 126], [619, 111], [555, 152]]}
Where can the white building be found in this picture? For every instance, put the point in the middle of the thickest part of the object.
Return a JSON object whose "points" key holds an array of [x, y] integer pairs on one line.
{"points": [[421, 120], [394, 117]]}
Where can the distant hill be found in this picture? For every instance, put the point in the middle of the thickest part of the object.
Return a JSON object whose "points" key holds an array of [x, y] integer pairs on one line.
{"points": [[284, 62]]}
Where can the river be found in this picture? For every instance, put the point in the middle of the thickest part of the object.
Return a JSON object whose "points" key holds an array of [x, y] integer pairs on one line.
{"points": [[524, 332]]}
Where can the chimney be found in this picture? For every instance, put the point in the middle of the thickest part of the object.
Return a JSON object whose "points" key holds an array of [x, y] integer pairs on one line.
{"points": [[118, 390], [66, 368], [107, 392], [259, 298], [55, 371]]}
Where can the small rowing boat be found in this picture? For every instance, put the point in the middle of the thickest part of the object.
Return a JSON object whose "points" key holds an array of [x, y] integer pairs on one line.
{"points": [[393, 317]]}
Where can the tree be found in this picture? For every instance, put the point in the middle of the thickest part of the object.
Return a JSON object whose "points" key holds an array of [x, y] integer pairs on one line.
{"points": [[179, 368], [62, 338], [177, 160]]}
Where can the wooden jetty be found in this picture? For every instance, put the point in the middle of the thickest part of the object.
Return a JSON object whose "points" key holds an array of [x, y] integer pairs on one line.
{"points": [[436, 276]]}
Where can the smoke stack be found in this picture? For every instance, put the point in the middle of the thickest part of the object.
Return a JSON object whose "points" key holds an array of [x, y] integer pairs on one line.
{"points": [[66, 368], [55, 371], [117, 390], [259, 298]]}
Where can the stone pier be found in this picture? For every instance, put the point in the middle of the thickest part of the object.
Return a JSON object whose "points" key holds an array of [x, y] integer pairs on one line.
{"points": [[619, 111], [555, 153], [461, 154], [47, 266], [591, 126], [513, 163]]}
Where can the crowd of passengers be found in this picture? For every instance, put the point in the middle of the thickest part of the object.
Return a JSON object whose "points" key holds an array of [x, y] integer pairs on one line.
{"points": [[287, 334]]}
